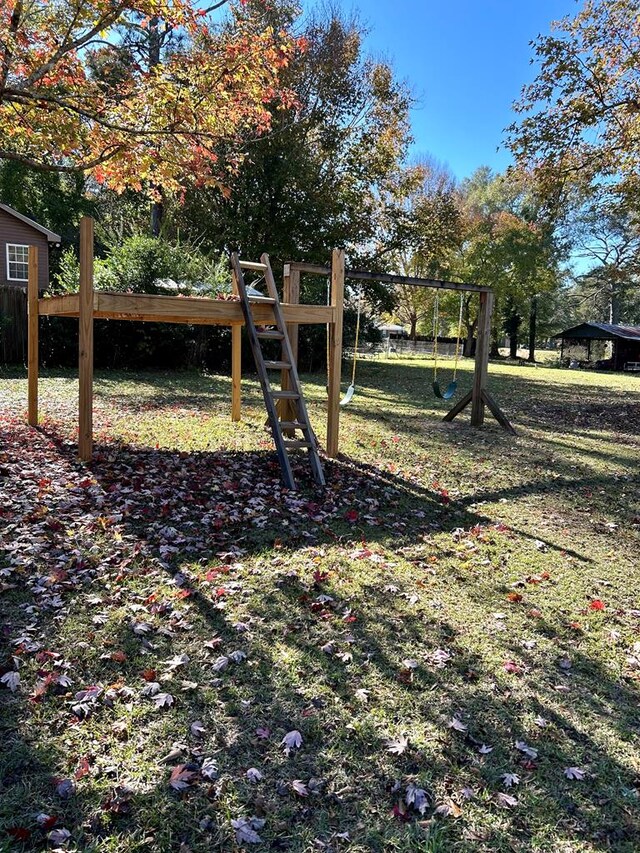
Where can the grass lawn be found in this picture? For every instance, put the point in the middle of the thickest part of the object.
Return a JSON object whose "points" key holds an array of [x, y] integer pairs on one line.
{"points": [[439, 652]]}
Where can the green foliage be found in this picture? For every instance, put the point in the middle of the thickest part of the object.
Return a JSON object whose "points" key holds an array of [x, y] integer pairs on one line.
{"points": [[140, 264], [319, 179], [580, 115]]}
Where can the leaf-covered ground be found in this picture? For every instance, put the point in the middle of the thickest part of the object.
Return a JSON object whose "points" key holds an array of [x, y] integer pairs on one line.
{"points": [[439, 652]]}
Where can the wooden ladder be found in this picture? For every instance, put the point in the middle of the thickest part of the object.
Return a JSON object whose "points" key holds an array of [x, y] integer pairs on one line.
{"points": [[293, 394]]}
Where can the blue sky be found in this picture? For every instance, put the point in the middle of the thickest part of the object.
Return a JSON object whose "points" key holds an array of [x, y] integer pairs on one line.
{"points": [[466, 63]]}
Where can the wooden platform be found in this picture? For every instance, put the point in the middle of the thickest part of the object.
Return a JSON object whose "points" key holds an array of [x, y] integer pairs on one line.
{"points": [[179, 309]]}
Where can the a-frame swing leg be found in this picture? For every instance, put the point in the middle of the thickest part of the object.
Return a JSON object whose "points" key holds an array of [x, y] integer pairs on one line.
{"points": [[459, 406], [479, 396], [497, 412], [491, 404]]}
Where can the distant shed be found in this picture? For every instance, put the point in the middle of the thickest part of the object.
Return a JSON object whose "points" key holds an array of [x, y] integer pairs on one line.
{"points": [[17, 233], [625, 339]]}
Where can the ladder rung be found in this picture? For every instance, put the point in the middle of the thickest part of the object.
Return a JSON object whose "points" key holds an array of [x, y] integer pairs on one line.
{"points": [[252, 265], [285, 395], [292, 425], [277, 365], [262, 300], [295, 445], [271, 333]]}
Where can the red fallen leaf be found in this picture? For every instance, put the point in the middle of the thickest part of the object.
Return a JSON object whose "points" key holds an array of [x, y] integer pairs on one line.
{"points": [[576, 626], [44, 655], [320, 577], [534, 613], [220, 592], [596, 604], [545, 576], [212, 574], [83, 768], [20, 833], [444, 496], [395, 439], [181, 777], [49, 822], [350, 618], [513, 667], [399, 812], [309, 712], [149, 675], [514, 597], [118, 657], [184, 593], [351, 515]]}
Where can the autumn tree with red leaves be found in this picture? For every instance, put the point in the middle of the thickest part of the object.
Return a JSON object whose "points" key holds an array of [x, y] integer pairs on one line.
{"points": [[76, 96]]}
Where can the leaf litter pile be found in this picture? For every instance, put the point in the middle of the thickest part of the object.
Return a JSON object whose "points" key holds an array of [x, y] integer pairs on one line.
{"points": [[196, 659]]}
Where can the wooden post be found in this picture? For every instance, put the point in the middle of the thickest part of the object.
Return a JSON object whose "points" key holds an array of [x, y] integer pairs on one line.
{"points": [[236, 365], [482, 359], [85, 312], [291, 295], [32, 332], [335, 352]]}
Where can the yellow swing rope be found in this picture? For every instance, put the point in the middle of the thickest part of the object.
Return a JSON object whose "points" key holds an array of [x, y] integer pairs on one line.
{"points": [[436, 329], [455, 364], [355, 344]]}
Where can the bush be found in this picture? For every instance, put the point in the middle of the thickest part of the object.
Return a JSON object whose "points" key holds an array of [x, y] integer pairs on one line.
{"points": [[139, 265]]}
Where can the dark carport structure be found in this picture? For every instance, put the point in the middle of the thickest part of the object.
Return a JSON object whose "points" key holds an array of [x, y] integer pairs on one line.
{"points": [[626, 342]]}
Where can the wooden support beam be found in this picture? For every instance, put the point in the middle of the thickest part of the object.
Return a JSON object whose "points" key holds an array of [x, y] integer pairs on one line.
{"points": [[85, 307], [387, 278], [335, 352], [483, 346], [32, 333], [236, 363], [459, 406], [148, 308], [497, 412], [290, 295], [59, 306]]}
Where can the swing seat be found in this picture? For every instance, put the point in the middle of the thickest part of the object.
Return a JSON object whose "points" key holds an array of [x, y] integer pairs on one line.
{"points": [[448, 392], [351, 390]]}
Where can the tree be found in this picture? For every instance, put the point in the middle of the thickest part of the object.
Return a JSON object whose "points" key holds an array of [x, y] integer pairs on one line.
{"points": [[320, 177], [419, 234], [581, 114], [607, 238], [510, 246], [74, 95]]}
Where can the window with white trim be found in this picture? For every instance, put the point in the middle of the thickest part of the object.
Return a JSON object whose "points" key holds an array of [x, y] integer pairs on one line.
{"points": [[17, 262]]}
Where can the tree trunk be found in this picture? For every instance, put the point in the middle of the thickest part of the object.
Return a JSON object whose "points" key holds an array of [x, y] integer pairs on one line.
{"points": [[157, 208], [413, 333], [468, 350], [533, 322]]}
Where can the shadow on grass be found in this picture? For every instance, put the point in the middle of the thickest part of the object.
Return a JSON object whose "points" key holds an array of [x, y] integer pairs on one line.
{"points": [[193, 510]]}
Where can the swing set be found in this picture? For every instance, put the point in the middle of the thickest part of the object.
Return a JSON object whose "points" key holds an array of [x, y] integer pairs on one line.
{"points": [[478, 397]]}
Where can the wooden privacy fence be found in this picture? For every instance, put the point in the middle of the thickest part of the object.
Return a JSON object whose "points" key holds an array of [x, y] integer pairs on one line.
{"points": [[13, 325]]}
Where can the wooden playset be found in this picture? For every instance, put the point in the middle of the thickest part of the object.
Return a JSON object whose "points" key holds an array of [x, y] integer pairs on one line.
{"points": [[265, 317]]}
